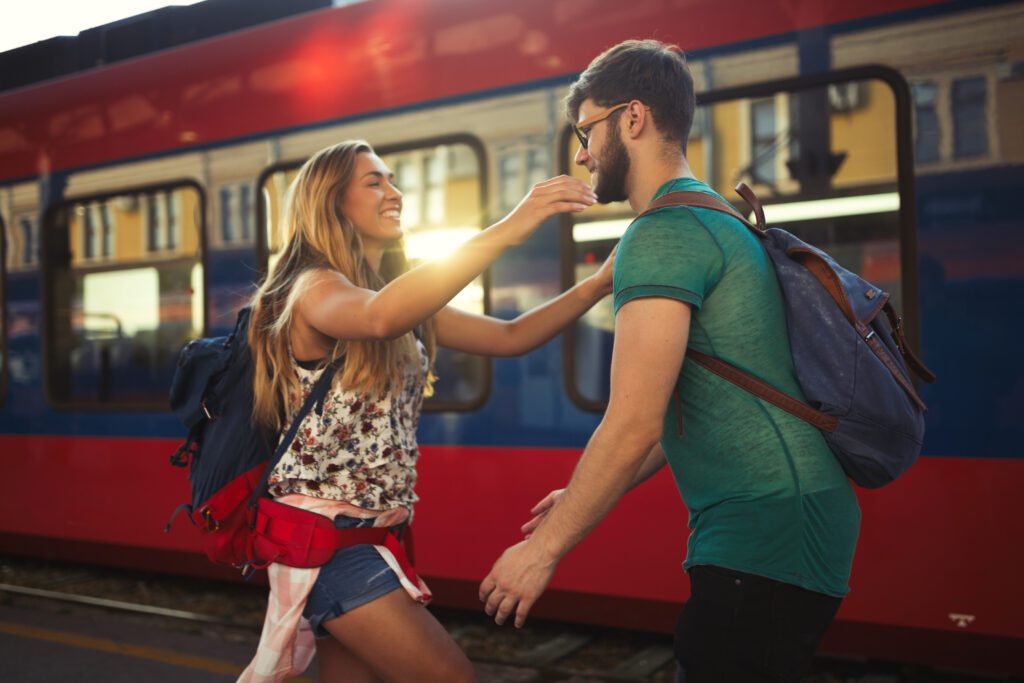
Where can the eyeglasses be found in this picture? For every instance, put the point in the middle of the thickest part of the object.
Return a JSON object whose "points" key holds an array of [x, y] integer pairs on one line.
{"points": [[582, 129]]}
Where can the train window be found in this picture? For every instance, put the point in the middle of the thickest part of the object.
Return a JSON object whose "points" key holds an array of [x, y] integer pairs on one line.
{"points": [[824, 161], [125, 290], [22, 242], [510, 180], [19, 309], [520, 167], [926, 118], [764, 147], [442, 185], [970, 134], [234, 215]]}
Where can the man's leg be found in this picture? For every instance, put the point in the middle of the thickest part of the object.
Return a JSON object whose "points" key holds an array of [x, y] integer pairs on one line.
{"points": [[718, 637], [739, 627], [799, 620]]}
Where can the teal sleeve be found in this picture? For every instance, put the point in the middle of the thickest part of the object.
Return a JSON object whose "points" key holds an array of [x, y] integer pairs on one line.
{"points": [[669, 253]]}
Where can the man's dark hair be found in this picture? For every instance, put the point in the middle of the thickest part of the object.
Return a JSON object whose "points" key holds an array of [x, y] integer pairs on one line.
{"points": [[645, 70]]}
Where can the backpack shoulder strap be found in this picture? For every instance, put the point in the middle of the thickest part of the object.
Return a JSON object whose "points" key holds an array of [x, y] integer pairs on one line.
{"points": [[764, 391], [703, 200], [316, 398], [723, 369]]}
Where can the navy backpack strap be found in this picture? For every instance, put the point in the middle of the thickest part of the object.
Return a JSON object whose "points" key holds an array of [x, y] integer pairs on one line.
{"points": [[316, 397]]}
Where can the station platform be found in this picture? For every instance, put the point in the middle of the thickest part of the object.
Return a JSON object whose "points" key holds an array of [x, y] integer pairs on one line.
{"points": [[46, 642]]}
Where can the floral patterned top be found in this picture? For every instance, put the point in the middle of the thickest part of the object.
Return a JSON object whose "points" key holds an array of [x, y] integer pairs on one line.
{"points": [[362, 450]]}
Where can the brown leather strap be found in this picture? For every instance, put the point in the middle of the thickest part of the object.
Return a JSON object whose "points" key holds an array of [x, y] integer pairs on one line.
{"points": [[827, 277], [726, 371], [764, 391], [883, 355], [913, 362], [700, 200], [750, 198]]}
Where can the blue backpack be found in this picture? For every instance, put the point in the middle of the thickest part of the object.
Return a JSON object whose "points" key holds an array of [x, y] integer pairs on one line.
{"points": [[851, 367], [231, 460]]}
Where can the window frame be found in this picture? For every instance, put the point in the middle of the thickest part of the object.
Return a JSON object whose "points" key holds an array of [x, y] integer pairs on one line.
{"points": [[46, 270], [245, 211], [905, 187], [480, 151], [31, 239]]}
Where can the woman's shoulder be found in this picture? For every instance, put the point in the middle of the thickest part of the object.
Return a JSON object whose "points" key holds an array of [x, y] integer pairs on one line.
{"points": [[321, 275], [317, 283], [325, 274]]}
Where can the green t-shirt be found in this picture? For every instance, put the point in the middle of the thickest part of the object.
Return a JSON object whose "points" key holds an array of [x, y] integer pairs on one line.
{"points": [[764, 492]]}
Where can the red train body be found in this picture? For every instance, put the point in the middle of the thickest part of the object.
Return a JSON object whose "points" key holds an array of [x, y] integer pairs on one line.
{"points": [[939, 557]]}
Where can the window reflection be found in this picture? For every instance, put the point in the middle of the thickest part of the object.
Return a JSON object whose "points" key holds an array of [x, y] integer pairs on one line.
{"points": [[926, 143], [22, 242], [970, 134], [763, 140], [19, 326], [126, 293], [520, 167], [235, 216], [952, 118]]}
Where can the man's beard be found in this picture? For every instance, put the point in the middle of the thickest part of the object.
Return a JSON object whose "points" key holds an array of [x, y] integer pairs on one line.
{"points": [[612, 172]]}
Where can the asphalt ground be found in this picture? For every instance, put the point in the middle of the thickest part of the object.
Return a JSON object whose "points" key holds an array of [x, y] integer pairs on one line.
{"points": [[42, 641]]}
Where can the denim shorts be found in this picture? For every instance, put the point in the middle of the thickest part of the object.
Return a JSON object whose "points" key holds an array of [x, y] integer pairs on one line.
{"points": [[354, 576]]}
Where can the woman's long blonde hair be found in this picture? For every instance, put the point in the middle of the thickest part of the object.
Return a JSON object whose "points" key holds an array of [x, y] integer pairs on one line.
{"points": [[317, 236]]}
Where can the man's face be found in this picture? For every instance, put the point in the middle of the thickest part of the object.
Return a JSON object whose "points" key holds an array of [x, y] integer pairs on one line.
{"points": [[606, 157]]}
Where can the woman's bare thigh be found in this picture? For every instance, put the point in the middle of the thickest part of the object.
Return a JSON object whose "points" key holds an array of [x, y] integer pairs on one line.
{"points": [[401, 642], [336, 664]]}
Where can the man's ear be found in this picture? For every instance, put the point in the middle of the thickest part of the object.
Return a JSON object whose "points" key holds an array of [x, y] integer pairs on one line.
{"points": [[638, 118]]}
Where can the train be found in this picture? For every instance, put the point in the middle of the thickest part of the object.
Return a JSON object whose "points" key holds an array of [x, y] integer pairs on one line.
{"points": [[139, 200]]}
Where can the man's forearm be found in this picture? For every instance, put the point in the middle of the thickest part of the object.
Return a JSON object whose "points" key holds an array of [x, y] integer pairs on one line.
{"points": [[654, 461], [608, 468]]}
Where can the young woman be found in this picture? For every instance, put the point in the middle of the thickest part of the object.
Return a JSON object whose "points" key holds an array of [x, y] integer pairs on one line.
{"points": [[341, 288]]}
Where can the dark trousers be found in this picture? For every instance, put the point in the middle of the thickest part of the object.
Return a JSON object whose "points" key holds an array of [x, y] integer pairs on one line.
{"points": [[739, 627]]}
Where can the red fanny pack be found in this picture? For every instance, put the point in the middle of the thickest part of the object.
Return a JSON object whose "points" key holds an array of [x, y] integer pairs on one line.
{"points": [[251, 537], [300, 538]]}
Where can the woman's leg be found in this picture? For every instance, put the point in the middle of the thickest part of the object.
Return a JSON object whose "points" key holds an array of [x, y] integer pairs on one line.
{"points": [[335, 664], [401, 642]]}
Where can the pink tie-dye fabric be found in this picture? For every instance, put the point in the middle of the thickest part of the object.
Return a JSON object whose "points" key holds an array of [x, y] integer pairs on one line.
{"points": [[287, 644]]}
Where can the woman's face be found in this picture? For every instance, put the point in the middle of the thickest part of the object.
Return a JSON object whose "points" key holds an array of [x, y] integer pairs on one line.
{"points": [[372, 202]]}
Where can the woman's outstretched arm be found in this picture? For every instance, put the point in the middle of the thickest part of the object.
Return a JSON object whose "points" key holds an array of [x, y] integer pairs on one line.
{"points": [[493, 337], [335, 307]]}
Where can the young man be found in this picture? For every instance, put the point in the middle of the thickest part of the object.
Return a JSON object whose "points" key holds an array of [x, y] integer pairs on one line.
{"points": [[774, 520]]}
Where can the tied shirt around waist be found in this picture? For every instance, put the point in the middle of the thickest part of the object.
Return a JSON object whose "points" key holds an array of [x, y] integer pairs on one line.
{"points": [[362, 449]]}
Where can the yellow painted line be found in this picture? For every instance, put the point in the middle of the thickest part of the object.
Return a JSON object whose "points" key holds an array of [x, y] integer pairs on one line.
{"points": [[151, 653]]}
